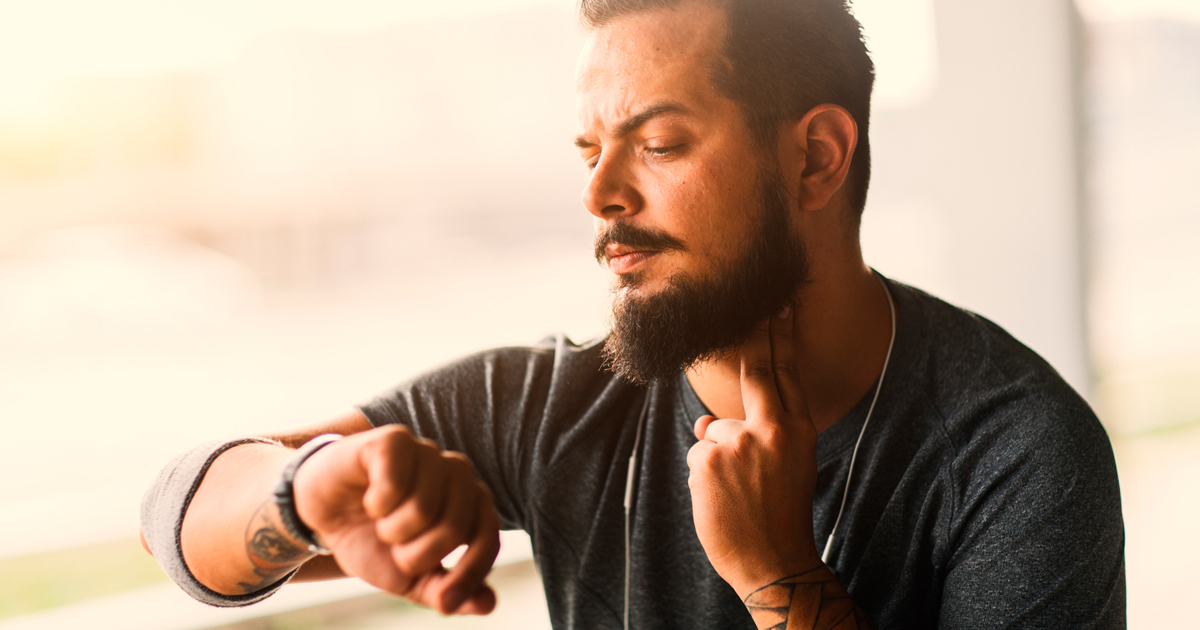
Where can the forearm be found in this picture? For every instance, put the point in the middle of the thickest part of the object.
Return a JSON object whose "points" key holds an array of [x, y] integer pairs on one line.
{"points": [[232, 538], [390, 506], [813, 599]]}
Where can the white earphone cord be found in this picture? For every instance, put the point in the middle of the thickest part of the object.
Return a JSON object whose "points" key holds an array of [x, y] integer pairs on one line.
{"points": [[637, 443], [861, 432]]}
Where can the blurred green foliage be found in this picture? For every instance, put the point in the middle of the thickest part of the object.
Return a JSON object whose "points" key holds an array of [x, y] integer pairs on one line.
{"points": [[31, 583]]}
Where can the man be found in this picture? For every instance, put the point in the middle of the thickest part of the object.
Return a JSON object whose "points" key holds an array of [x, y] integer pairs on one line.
{"points": [[813, 446]]}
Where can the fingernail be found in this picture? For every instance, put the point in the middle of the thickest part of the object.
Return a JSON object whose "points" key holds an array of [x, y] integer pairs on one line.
{"points": [[787, 310]]}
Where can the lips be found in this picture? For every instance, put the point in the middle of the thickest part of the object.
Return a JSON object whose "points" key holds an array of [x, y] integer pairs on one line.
{"points": [[623, 259], [625, 248]]}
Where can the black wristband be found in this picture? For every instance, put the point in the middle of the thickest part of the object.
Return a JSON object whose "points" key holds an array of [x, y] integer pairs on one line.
{"points": [[285, 495]]}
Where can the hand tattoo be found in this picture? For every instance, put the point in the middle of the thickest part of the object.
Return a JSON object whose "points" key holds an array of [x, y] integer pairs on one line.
{"points": [[813, 599], [272, 552]]}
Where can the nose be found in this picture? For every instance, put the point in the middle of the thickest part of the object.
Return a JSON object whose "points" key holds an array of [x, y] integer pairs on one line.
{"points": [[610, 191]]}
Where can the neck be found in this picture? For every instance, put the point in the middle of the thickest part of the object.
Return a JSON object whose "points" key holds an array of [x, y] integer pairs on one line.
{"points": [[846, 328]]}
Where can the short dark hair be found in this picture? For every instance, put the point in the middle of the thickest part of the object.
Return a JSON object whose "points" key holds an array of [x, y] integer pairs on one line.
{"points": [[780, 59]]}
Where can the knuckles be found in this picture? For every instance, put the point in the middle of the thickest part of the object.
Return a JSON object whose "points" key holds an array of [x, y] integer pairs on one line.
{"points": [[391, 489], [454, 533], [743, 444], [705, 460], [424, 510], [437, 501], [410, 560], [759, 370], [772, 437], [446, 505], [394, 448], [458, 466], [787, 369], [763, 444]]}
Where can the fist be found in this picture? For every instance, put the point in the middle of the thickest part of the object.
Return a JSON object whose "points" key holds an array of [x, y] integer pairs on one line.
{"points": [[752, 481], [391, 506]]}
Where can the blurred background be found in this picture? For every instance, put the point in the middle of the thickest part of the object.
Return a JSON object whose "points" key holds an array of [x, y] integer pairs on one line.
{"points": [[220, 218]]}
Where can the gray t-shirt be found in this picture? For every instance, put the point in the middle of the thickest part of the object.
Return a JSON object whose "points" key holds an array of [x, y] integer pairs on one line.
{"points": [[985, 493]]}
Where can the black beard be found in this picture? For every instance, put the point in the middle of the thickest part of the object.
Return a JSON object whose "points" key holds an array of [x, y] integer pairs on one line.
{"points": [[693, 320]]}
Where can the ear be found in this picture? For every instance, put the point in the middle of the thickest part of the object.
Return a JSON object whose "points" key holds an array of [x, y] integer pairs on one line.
{"points": [[815, 154]]}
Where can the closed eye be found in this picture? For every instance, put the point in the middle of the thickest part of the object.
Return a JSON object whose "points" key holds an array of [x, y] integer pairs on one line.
{"points": [[590, 159], [664, 150]]}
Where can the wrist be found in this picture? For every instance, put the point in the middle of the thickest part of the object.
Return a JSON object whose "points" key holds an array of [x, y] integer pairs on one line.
{"points": [[284, 495], [755, 579]]}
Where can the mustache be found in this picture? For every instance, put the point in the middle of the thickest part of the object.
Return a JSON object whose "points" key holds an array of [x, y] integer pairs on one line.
{"points": [[636, 237]]}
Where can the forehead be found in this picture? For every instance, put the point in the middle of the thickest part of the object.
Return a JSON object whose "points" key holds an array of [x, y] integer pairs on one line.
{"points": [[663, 55]]}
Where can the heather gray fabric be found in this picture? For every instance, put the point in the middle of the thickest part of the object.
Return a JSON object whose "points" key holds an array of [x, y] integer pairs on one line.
{"points": [[985, 493]]}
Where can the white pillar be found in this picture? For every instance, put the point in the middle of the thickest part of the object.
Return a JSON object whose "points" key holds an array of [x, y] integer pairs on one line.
{"points": [[991, 161]]}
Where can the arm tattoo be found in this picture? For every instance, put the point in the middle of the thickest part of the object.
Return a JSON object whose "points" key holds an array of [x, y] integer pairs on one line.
{"points": [[813, 599], [272, 552]]}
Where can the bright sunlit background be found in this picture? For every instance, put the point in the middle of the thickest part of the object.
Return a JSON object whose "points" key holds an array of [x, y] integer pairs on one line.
{"points": [[220, 218]]}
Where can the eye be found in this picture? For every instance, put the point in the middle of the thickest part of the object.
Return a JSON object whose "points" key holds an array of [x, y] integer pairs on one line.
{"points": [[664, 151]]}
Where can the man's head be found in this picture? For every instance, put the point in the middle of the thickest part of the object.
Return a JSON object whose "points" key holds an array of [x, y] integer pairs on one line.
{"points": [[778, 59], [706, 172]]}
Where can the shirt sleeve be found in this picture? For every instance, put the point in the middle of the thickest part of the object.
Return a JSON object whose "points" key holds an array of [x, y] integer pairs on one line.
{"points": [[1038, 536], [163, 508]]}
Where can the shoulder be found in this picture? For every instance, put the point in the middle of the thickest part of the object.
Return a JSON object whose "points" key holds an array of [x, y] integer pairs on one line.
{"points": [[1036, 506], [553, 364], [554, 357], [985, 384], [1023, 443], [499, 380]]}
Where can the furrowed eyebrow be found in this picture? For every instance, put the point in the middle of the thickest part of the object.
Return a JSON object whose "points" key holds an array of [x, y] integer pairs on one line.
{"points": [[632, 123]]}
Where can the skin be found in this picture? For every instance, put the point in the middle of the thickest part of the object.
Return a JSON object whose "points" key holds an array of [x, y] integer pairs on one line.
{"points": [[388, 504], [670, 153]]}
